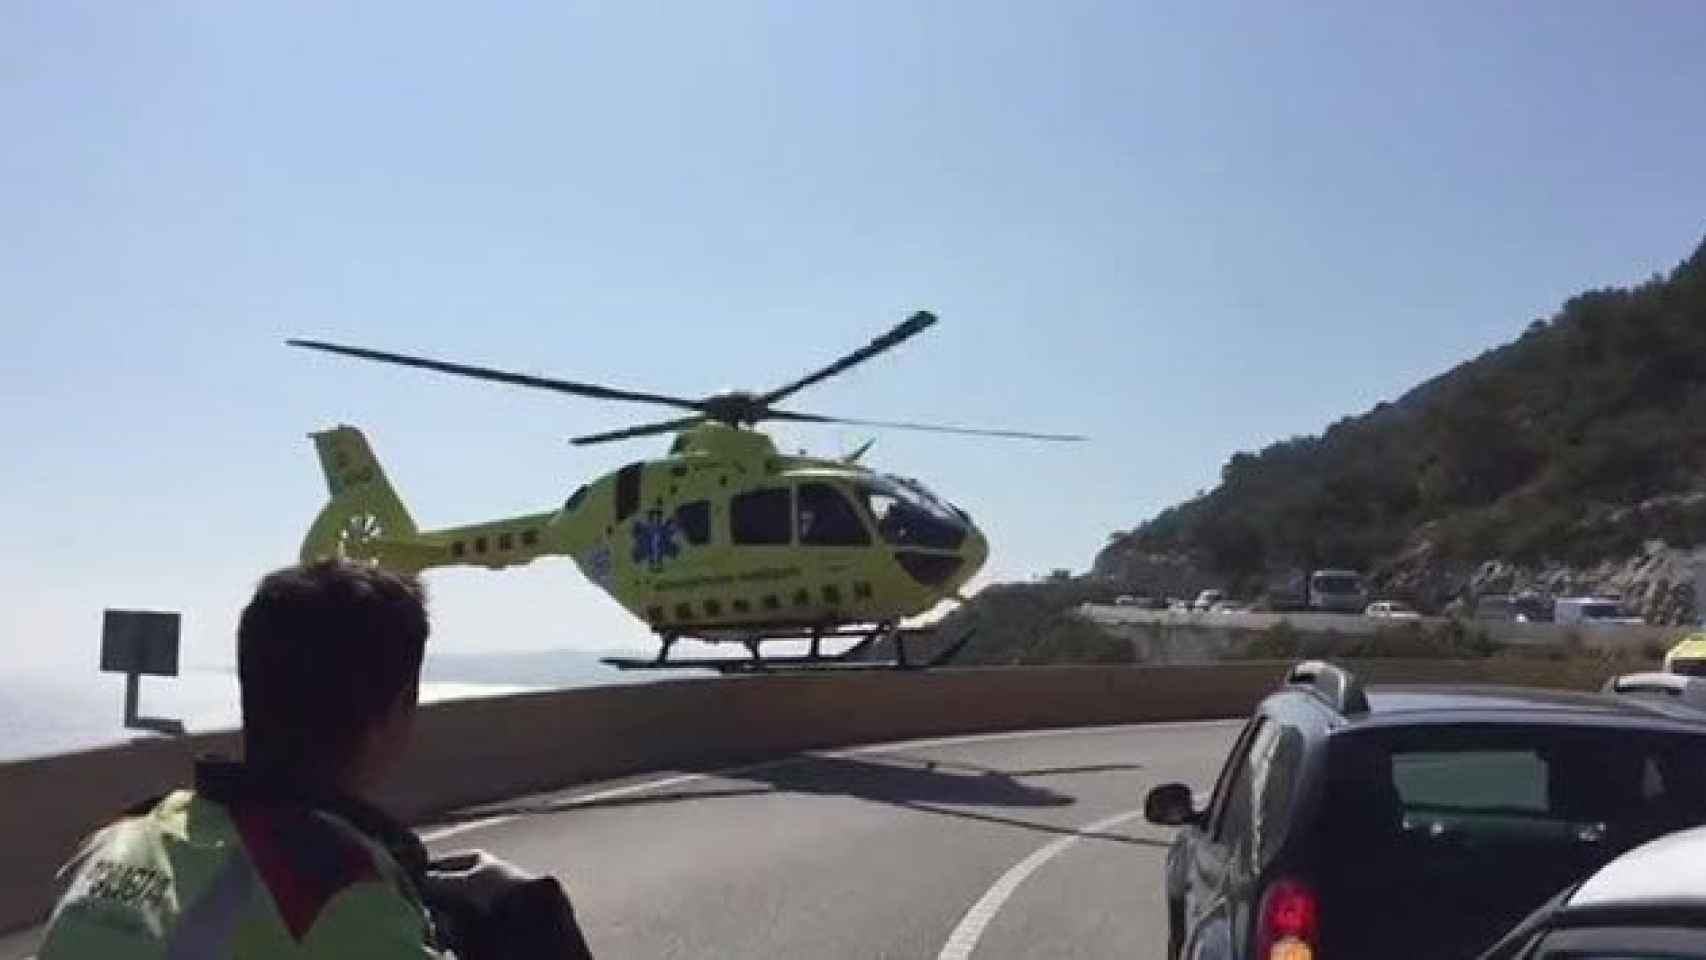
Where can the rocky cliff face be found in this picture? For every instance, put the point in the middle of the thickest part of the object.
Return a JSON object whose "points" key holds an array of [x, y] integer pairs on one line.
{"points": [[1663, 584], [1660, 583], [1152, 574]]}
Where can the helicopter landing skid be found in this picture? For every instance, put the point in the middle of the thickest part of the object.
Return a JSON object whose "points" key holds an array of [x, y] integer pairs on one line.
{"points": [[862, 655]]}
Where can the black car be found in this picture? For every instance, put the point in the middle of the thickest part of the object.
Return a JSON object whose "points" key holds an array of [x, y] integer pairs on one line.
{"points": [[1420, 821]]}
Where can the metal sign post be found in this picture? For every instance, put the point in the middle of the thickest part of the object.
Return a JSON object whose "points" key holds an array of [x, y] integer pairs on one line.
{"points": [[135, 642]]}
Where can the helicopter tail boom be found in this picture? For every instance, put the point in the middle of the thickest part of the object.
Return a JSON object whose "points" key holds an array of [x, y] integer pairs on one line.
{"points": [[366, 522]]}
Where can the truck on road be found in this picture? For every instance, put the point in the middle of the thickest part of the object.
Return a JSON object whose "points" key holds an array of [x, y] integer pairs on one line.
{"points": [[1337, 591]]}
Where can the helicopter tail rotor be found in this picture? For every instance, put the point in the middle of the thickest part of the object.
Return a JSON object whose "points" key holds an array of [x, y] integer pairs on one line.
{"points": [[365, 520]]}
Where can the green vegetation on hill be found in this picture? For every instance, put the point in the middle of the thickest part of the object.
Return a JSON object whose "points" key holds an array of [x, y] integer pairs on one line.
{"points": [[1560, 446], [1035, 623]]}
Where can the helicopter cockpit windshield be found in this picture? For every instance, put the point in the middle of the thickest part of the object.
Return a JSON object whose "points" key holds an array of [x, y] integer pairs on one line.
{"points": [[908, 515]]}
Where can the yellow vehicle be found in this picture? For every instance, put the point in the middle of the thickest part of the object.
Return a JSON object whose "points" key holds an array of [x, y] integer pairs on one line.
{"points": [[1688, 657], [723, 539]]}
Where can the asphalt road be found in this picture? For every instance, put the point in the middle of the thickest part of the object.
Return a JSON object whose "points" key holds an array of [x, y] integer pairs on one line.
{"points": [[1013, 845]]}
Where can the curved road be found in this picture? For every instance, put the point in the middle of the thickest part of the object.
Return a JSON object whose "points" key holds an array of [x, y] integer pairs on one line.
{"points": [[1024, 844]]}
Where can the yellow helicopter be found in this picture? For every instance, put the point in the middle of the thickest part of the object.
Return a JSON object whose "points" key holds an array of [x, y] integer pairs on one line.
{"points": [[724, 539]]}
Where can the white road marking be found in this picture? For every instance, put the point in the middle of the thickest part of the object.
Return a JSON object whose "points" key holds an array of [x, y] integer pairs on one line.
{"points": [[661, 783], [613, 793], [971, 926], [444, 833]]}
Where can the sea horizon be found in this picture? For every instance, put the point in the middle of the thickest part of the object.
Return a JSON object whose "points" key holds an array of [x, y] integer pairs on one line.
{"points": [[50, 709]]}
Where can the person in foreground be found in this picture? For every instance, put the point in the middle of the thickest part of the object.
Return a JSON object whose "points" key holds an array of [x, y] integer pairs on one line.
{"points": [[284, 855]]}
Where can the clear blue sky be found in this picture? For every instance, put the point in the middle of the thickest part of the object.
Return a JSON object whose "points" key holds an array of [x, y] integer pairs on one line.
{"points": [[1182, 229]]}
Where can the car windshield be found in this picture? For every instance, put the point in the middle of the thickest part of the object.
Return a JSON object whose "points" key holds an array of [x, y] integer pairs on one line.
{"points": [[1483, 824], [1601, 611], [1338, 584]]}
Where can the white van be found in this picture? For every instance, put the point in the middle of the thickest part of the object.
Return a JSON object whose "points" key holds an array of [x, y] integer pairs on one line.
{"points": [[1591, 611], [1206, 599]]}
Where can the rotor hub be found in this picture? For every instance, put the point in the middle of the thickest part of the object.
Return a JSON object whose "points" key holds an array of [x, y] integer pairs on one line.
{"points": [[737, 408]]}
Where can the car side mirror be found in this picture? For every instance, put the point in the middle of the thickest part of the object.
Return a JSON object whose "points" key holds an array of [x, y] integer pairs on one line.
{"points": [[1171, 805]]}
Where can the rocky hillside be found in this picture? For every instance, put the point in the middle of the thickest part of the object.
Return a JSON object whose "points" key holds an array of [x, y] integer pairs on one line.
{"points": [[1658, 583], [1572, 458]]}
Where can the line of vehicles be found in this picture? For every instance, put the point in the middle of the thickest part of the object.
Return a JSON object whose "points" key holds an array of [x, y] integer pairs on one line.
{"points": [[1329, 591], [1525, 608], [1429, 822], [1325, 591], [1346, 591]]}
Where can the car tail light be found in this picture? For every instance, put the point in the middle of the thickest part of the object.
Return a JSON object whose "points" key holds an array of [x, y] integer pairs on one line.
{"points": [[1288, 926]]}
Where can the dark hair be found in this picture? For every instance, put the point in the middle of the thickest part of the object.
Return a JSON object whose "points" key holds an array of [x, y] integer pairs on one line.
{"points": [[323, 650]]}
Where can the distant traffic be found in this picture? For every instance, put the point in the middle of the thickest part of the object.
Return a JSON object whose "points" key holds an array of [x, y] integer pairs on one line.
{"points": [[1346, 591]]}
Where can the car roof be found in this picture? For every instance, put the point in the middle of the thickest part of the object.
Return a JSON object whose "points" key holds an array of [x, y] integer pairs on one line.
{"points": [[1669, 870], [1403, 705]]}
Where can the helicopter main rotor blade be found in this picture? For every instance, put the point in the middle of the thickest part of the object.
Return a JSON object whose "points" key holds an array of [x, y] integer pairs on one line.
{"points": [[930, 427], [666, 426], [908, 328], [501, 376]]}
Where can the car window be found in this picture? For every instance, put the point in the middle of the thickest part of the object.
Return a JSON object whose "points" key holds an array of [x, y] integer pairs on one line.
{"points": [[1226, 788], [1251, 800], [1513, 780], [1274, 785], [1223, 780]]}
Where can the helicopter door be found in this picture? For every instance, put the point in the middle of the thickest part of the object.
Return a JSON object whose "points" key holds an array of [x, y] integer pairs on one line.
{"points": [[825, 518], [761, 517]]}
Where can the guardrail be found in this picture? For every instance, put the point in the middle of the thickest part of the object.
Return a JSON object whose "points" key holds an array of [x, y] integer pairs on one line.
{"points": [[472, 751]]}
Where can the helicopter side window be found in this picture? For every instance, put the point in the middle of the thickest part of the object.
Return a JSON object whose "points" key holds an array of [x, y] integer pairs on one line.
{"points": [[694, 519], [761, 517], [826, 519], [628, 490]]}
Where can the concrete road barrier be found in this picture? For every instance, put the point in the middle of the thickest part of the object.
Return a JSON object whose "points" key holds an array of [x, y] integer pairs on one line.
{"points": [[472, 751]]}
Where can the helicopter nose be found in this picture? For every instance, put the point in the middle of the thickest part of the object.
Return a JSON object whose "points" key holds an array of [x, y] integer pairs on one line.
{"points": [[975, 551], [946, 571]]}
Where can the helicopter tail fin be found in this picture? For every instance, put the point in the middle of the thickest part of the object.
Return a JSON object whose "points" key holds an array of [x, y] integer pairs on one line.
{"points": [[365, 516]]}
